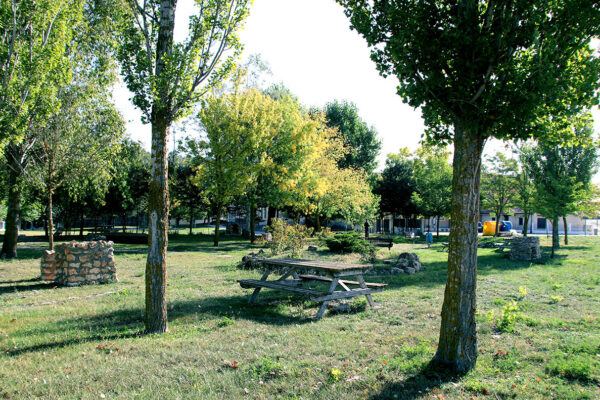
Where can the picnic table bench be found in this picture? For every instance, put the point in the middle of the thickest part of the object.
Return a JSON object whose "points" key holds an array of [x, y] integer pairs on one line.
{"points": [[381, 242], [294, 273]]}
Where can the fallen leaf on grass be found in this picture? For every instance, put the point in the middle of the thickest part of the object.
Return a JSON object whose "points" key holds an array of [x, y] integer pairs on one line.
{"points": [[232, 364]]}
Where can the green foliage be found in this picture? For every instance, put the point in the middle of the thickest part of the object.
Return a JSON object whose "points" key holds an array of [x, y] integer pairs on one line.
{"points": [[266, 369], [562, 174], [482, 55], [577, 367], [185, 71], [351, 242], [498, 186], [334, 375], [288, 237], [433, 182], [360, 139], [396, 185], [36, 35], [556, 299]]}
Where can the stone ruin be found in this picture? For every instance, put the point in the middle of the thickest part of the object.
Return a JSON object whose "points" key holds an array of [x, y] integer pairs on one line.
{"points": [[253, 260], [80, 263], [407, 263], [525, 248]]}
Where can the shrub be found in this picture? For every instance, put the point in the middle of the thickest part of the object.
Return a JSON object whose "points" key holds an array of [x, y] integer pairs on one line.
{"points": [[266, 369], [351, 242], [287, 237], [347, 242], [573, 368]]}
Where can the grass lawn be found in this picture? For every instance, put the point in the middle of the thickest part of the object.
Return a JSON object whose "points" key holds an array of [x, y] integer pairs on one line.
{"points": [[539, 331]]}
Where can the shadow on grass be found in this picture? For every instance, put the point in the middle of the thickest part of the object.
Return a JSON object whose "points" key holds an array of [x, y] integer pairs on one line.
{"points": [[129, 323], [40, 285], [430, 376], [434, 273]]}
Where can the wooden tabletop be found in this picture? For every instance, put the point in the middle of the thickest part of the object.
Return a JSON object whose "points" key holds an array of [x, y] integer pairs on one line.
{"points": [[312, 264]]}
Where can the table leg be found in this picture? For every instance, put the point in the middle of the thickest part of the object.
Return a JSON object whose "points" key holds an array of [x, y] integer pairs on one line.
{"points": [[332, 287], [255, 293], [363, 285]]}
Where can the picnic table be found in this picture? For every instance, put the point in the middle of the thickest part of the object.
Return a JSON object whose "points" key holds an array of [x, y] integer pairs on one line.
{"points": [[294, 273]]}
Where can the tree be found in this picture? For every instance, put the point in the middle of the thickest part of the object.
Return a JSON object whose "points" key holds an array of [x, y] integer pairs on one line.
{"points": [[167, 78], [190, 197], [33, 39], [360, 139], [433, 183], [480, 69], [77, 145], [562, 177], [129, 182], [42, 39], [397, 185], [239, 128], [525, 191], [498, 186]]}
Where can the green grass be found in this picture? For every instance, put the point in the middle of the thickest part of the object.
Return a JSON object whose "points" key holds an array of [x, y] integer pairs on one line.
{"points": [[85, 342]]}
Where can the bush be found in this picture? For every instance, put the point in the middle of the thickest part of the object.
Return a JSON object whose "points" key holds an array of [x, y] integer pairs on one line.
{"points": [[351, 242], [287, 238], [572, 368]]}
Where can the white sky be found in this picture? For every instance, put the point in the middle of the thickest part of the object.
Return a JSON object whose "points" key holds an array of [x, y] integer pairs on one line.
{"points": [[310, 48]]}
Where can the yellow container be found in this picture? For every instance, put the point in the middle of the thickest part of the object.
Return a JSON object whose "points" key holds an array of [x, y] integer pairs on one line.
{"points": [[489, 228]]}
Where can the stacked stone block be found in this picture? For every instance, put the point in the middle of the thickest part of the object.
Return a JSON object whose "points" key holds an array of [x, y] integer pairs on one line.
{"points": [[525, 248], [80, 263]]}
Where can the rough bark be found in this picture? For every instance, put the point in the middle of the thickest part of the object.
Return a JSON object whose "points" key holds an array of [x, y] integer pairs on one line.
{"points": [[566, 230], [13, 215], [458, 339], [158, 204]]}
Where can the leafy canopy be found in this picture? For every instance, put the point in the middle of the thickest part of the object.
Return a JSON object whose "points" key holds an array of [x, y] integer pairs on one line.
{"points": [[498, 67]]}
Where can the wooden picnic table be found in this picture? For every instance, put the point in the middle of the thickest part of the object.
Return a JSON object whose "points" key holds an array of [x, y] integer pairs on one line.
{"points": [[294, 273]]}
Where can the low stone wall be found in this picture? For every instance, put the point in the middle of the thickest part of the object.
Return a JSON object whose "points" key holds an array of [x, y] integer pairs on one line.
{"points": [[80, 263], [525, 248]]}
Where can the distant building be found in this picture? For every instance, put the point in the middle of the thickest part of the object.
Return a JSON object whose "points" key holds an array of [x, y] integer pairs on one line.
{"points": [[538, 224]]}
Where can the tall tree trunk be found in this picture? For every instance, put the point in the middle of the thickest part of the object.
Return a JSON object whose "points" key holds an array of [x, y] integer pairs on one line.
{"points": [[124, 218], [498, 220], [252, 222], [13, 214], [555, 238], [317, 222], [437, 226], [457, 348], [158, 207], [271, 214], [158, 202], [81, 222], [525, 223], [564, 218], [50, 219], [217, 226], [191, 220]]}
